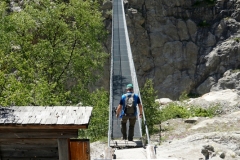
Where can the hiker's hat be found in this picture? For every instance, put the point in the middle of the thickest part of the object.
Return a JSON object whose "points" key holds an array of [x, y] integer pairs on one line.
{"points": [[129, 86]]}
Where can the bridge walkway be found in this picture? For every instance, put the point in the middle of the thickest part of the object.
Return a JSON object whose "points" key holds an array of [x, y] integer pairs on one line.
{"points": [[122, 73]]}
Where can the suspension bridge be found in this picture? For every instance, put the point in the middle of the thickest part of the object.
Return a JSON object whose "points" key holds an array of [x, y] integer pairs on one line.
{"points": [[122, 73]]}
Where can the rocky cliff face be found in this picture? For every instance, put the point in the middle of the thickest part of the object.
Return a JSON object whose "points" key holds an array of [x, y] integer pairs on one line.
{"points": [[183, 45]]}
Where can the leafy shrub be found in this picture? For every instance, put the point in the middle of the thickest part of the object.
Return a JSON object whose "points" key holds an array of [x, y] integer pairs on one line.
{"points": [[237, 39], [235, 71], [202, 112], [184, 96], [151, 108], [173, 110], [176, 110], [98, 126]]}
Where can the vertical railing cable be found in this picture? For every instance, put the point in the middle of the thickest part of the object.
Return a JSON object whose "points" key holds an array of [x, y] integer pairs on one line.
{"points": [[132, 70], [111, 92], [133, 74]]}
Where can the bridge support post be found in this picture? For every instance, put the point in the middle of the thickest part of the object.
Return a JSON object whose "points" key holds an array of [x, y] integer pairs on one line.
{"points": [[108, 153], [151, 152]]}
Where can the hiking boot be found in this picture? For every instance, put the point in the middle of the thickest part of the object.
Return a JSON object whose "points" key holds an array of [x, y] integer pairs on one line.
{"points": [[123, 138]]}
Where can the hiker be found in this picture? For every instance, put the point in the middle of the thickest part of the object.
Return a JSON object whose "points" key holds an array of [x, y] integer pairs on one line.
{"points": [[127, 110]]}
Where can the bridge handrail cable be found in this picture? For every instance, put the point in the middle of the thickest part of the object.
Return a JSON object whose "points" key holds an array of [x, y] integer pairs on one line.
{"points": [[133, 73]]}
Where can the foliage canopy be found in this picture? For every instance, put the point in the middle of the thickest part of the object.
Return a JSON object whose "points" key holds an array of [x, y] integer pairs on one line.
{"points": [[98, 126], [49, 52]]}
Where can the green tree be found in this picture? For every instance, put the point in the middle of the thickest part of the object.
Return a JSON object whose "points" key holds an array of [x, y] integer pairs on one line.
{"points": [[151, 108], [98, 126], [50, 52]]}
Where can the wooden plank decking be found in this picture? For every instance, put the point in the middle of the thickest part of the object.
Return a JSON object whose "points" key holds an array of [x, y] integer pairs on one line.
{"points": [[125, 143]]}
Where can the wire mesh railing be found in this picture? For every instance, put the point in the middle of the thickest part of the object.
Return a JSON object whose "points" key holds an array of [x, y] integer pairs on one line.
{"points": [[133, 75]]}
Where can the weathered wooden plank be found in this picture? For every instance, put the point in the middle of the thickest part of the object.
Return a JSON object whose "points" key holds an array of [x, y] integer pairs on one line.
{"points": [[38, 134], [52, 120], [74, 117], [125, 143], [81, 111], [79, 121], [33, 141], [31, 153], [19, 121], [60, 110], [42, 158], [15, 120], [25, 108], [46, 115], [3, 120], [26, 147], [86, 119], [70, 120], [67, 109], [72, 110], [25, 119], [18, 116], [63, 149], [14, 108], [38, 108], [150, 152], [49, 109], [61, 119], [9, 121], [79, 149], [87, 115], [108, 153], [38, 120], [80, 115], [32, 120], [31, 127]]}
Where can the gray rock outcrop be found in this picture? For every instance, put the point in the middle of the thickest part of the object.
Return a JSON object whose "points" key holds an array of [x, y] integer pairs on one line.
{"points": [[184, 46], [228, 100], [230, 80]]}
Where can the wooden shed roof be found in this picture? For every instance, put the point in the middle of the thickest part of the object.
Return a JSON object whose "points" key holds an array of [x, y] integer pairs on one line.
{"points": [[45, 117]]}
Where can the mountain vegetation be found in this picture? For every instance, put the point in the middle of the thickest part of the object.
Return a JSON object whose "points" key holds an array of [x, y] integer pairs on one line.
{"points": [[50, 52]]}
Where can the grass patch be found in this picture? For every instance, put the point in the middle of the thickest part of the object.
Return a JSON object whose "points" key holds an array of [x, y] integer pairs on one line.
{"points": [[184, 96], [104, 139], [235, 71], [237, 39], [202, 112], [176, 110]]}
